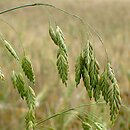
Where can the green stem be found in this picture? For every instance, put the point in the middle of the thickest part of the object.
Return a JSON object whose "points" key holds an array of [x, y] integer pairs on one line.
{"points": [[65, 111], [55, 115], [52, 6], [11, 27]]}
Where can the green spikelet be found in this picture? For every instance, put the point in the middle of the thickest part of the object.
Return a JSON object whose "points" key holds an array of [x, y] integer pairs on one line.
{"points": [[87, 54], [30, 98], [104, 85], [1, 75], [96, 93], [113, 94], [90, 71], [11, 50], [58, 38], [92, 67], [62, 65], [86, 80], [93, 72], [110, 73], [30, 120], [110, 91], [61, 39], [62, 56], [28, 70], [18, 82], [78, 69], [94, 78], [53, 35]]}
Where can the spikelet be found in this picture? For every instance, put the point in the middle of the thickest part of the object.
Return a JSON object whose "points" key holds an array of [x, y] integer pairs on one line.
{"points": [[30, 98], [62, 56], [87, 55], [94, 78], [96, 93], [88, 67], [110, 91], [30, 120], [28, 69], [110, 73], [53, 34], [62, 66], [11, 50], [1, 75], [78, 69], [58, 37], [86, 80], [18, 82], [28, 94], [61, 39], [113, 94], [104, 85], [92, 67], [30, 117]]}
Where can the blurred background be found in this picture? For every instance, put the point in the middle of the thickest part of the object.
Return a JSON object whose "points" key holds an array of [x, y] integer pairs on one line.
{"points": [[29, 27]]}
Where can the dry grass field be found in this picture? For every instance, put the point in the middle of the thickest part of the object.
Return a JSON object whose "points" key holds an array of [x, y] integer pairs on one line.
{"points": [[29, 27]]}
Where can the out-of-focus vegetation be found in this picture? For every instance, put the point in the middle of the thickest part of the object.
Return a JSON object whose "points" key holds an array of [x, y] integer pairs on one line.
{"points": [[30, 27]]}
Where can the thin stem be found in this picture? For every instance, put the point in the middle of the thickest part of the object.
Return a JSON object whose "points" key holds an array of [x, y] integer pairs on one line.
{"points": [[68, 110], [52, 6], [18, 36], [55, 115]]}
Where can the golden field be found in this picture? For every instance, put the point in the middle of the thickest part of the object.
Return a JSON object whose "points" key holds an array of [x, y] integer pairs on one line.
{"points": [[28, 27]]}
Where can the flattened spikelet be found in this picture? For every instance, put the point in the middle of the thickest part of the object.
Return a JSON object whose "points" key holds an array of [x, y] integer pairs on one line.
{"points": [[61, 39], [78, 69], [110, 73], [86, 55], [28, 69], [18, 82], [62, 65], [95, 79], [53, 34], [58, 37], [96, 93], [110, 91], [30, 120], [11, 50], [86, 80], [62, 56], [90, 71], [104, 85], [113, 94], [30, 98]]}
